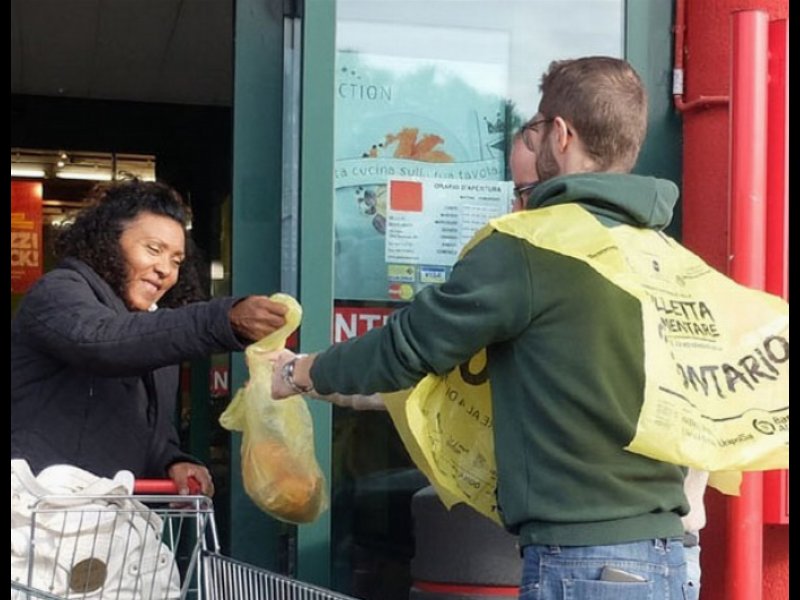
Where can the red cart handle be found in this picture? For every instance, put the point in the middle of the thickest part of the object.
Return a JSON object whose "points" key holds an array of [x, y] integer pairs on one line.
{"points": [[164, 486]]}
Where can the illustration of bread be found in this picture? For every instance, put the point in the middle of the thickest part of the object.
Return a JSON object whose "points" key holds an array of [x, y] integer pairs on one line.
{"points": [[407, 144]]}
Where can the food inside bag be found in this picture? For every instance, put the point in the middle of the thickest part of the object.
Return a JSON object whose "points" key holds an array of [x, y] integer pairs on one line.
{"points": [[281, 485], [279, 469]]}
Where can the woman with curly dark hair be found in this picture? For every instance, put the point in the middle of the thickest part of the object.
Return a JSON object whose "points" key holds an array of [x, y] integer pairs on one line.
{"points": [[96, 343]]}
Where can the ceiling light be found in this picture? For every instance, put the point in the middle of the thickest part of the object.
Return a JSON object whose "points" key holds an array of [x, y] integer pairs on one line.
{"points": [[20, 171], [90, 166], [86, 174], [217, 270]]}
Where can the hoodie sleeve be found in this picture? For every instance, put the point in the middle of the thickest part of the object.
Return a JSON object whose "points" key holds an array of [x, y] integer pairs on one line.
{"points": [[486, 300]]}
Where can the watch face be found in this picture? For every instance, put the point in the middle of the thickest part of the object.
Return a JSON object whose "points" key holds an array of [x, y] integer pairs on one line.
{"points": [[288, 378]]}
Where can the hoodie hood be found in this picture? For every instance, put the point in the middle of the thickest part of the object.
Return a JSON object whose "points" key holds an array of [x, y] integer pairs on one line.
{"points": [[614, 198]]}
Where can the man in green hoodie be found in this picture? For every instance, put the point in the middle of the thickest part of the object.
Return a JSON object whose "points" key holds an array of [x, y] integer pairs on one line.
{"points": [[565, 353]]}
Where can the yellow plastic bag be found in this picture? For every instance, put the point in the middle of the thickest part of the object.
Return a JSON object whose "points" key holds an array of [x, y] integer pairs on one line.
{"points": [[279, 469], [716, 353], [716, 359], [446, 426]]}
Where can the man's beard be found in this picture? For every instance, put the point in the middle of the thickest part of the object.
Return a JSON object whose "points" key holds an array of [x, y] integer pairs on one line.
{"points": [[546, 163]]}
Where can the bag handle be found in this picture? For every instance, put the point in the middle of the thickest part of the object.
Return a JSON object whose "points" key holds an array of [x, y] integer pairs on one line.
{"points": [[82, 482]]}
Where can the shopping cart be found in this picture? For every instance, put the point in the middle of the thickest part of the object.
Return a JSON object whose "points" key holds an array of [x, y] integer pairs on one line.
{"points": [[225, 578], [153, 545]]}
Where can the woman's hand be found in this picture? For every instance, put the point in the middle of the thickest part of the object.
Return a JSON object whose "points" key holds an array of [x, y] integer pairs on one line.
{"points": [[255, 317], [181, 472]]}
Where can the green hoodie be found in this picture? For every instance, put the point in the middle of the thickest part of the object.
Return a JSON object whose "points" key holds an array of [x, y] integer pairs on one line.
{"points": [[565, 361]]}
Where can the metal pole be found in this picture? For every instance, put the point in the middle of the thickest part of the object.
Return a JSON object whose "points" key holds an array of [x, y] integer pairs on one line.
{"points": [[777, 249], [776, 497], [747, 258]]}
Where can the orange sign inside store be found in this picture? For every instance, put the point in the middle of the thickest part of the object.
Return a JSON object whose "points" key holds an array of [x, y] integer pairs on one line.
{"points": [[26, 235]]}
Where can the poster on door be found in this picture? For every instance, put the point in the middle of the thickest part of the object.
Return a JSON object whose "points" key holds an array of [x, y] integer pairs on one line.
{"points": [[401, 118], [26, 235], [430, 220]]}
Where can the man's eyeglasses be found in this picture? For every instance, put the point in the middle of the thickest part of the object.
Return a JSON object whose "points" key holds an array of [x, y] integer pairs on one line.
{"points": [[521, 192], [531, 126]]}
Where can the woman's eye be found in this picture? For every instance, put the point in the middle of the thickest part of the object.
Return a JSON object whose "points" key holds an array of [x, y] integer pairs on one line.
{"points": [[154, 250]]}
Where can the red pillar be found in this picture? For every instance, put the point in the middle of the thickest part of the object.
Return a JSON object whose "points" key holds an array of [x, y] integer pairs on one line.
{"points": [[747, 252], [706, 56], [776, 483]]}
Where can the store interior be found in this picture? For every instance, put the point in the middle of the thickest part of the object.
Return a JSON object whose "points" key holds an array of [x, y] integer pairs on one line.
{"points": [[104, 91]]}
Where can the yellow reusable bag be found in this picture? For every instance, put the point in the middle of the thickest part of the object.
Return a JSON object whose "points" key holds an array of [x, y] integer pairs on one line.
{"points": [[446, 426], [716, 362], [716, 353], [279, 469]]}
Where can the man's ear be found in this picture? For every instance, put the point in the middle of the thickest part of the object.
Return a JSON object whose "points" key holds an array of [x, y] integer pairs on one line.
{"points": [[563, 133]]}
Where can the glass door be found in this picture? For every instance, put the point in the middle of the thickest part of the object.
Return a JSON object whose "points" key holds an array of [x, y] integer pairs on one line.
{"points": [[405, 95]]}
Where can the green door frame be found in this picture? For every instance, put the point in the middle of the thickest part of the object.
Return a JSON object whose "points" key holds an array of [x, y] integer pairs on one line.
{"points": [[316, 250], [256, 241], [256, 225], [257, 193], [648, 47]]}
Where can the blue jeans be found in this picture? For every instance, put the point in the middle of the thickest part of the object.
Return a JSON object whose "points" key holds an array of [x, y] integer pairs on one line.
{"points": [[692, 556], [656, 569]]}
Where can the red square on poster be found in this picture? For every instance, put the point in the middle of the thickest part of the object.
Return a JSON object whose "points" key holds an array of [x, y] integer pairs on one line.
{"points": [[406, 196]]}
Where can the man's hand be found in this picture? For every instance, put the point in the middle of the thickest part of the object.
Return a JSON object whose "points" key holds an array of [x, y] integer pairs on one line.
{"points": [[302, 377], [181, 472], [255, 317]]}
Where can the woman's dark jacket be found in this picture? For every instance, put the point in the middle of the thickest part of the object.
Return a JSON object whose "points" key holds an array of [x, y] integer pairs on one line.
{"points": [[93, 384]]}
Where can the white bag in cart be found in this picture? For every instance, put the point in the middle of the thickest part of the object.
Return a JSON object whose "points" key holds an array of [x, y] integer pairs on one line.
{"points": [[91, 540]]}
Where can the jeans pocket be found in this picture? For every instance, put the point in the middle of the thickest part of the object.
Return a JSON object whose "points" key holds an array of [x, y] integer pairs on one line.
{"points": [[691, 591], [577, 589]]}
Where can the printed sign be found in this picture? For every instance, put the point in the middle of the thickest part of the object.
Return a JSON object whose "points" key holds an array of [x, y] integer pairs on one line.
{"points": [[430, 220], [219, 381], [391, 127], [353, 321], [26, 235]]}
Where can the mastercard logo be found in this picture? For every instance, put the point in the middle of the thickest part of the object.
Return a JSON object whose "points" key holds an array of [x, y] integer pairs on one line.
{"points": [[401, 291]]}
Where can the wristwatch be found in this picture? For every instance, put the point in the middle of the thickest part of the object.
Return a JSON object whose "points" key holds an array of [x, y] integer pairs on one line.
{"points": [[287, 373]]}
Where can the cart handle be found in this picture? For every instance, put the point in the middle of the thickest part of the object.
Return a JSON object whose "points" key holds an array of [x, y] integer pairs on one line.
{"points": [[164, 486]]}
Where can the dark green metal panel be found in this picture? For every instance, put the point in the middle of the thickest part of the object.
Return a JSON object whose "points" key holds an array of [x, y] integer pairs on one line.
{"points": [[257, 131], [648, 47], [316, 249]]}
